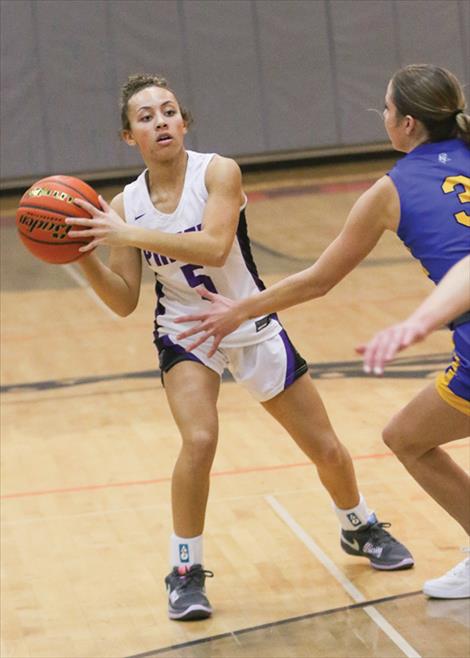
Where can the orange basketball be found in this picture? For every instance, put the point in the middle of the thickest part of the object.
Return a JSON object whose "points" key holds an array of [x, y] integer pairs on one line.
{"points": [[41, 214]]}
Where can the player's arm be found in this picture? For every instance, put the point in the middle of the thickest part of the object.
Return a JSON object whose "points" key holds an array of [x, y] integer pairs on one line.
{"points": [[118, 282], [210, 246], [374, 212], [447, 301]]}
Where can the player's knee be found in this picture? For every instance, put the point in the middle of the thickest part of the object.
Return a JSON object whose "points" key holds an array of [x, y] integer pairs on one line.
{"points": [[199, 446], [330, 454], [396, 440], [390, 437]]}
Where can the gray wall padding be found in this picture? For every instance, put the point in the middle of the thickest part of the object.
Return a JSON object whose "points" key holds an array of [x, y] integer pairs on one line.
{"points": [[260, 76]]}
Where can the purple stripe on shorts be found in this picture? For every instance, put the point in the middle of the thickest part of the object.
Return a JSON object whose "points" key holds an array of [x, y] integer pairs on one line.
{"points": [[167, 342], [290, 370]]}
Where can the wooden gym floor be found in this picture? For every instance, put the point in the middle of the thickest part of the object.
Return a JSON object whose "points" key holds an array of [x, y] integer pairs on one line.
{"points": [[88, 447]]}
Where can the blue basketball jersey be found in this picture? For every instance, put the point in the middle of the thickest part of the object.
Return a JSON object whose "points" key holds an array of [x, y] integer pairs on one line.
{"points": [[433, 183]]}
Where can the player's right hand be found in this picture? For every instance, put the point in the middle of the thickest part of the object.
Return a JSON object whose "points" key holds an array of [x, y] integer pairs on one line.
{"points": [[386, 343]]}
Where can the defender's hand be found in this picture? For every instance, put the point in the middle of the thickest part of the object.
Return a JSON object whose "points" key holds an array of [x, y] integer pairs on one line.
{"points": [[386, 343], [221, 318]]}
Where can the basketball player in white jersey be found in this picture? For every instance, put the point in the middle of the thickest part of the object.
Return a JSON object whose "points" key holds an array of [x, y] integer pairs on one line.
{"points": [[186, 214]]}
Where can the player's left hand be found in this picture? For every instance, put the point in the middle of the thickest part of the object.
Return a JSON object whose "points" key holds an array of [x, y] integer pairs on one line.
{"points": [[221, 318], [386, 343], [105, 226]]}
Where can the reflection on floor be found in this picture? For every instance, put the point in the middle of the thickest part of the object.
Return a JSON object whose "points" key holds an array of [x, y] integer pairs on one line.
{"points": [[345, 633]]}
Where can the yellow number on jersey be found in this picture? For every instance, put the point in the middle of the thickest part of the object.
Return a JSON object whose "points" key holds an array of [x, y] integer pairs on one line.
{"points": [[449, 185]]}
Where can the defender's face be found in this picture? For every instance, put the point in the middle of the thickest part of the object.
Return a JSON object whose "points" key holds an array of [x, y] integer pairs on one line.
{"points": [[393, 121], [156, 124]]}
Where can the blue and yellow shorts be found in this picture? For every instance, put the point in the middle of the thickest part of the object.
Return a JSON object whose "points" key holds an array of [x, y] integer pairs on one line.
{"points": [[453, 385]]}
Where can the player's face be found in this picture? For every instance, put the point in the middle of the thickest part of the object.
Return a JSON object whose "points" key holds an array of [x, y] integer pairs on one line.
{"points": [[393, 122], [156, 124]]}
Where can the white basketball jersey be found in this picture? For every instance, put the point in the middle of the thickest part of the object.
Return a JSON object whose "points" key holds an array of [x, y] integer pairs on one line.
{"points": [[237, 278]]}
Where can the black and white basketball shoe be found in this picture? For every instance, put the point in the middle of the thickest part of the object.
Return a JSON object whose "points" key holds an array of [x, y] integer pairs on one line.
{"points": [[375, 543]]}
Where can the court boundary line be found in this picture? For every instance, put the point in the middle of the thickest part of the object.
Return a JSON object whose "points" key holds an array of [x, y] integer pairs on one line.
{"points": [[167, 478], [339, 576], [273, 624]]}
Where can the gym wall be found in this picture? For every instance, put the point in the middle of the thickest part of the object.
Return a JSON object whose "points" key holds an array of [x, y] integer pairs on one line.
{"points": [[263, 79]]}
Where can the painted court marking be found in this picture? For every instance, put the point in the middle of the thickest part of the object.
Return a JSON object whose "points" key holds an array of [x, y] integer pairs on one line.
{"points": [[347, 585], [167, 478]]}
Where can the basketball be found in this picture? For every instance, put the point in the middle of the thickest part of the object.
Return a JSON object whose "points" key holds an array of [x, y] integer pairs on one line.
{"points": [[40, 218]]}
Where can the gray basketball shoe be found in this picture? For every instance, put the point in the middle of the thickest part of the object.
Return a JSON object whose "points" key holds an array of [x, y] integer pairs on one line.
{"points": [[187, 598], [375, 543]]}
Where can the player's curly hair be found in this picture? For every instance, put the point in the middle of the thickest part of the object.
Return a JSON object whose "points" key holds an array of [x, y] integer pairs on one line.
{"points": [[434, 96], [136, 83]]}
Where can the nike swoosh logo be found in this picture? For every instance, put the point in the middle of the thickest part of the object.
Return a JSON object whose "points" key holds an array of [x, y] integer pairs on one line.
{"points": [[354, 543], [138, 217]]}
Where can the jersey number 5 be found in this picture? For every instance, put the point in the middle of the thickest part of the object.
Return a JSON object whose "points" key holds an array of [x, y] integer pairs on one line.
{"points": [[197, 279], [449, 185]]}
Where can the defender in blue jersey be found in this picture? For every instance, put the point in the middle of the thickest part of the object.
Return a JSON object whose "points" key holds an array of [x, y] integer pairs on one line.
{"points": [[433, 183], [425, 199]]}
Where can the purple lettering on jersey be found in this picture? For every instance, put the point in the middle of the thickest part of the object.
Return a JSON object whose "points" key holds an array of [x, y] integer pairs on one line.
{"points": [[151, 256]]}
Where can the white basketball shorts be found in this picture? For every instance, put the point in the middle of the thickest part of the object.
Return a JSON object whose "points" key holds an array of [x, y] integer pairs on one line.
{"points": [[264, 369]]}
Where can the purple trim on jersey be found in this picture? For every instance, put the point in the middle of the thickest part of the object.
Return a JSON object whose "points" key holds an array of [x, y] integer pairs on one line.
{"points": [[290, 369], [167, 342], [159, 309], [245, 248]]}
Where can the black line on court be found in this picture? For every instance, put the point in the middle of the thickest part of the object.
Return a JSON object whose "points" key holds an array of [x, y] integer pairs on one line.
{"points": [[404, 368], [281, 622], [300, 261]]}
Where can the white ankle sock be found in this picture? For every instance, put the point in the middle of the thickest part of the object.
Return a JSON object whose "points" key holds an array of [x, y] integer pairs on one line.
{"points": [[354, 518], [185, 551]]}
